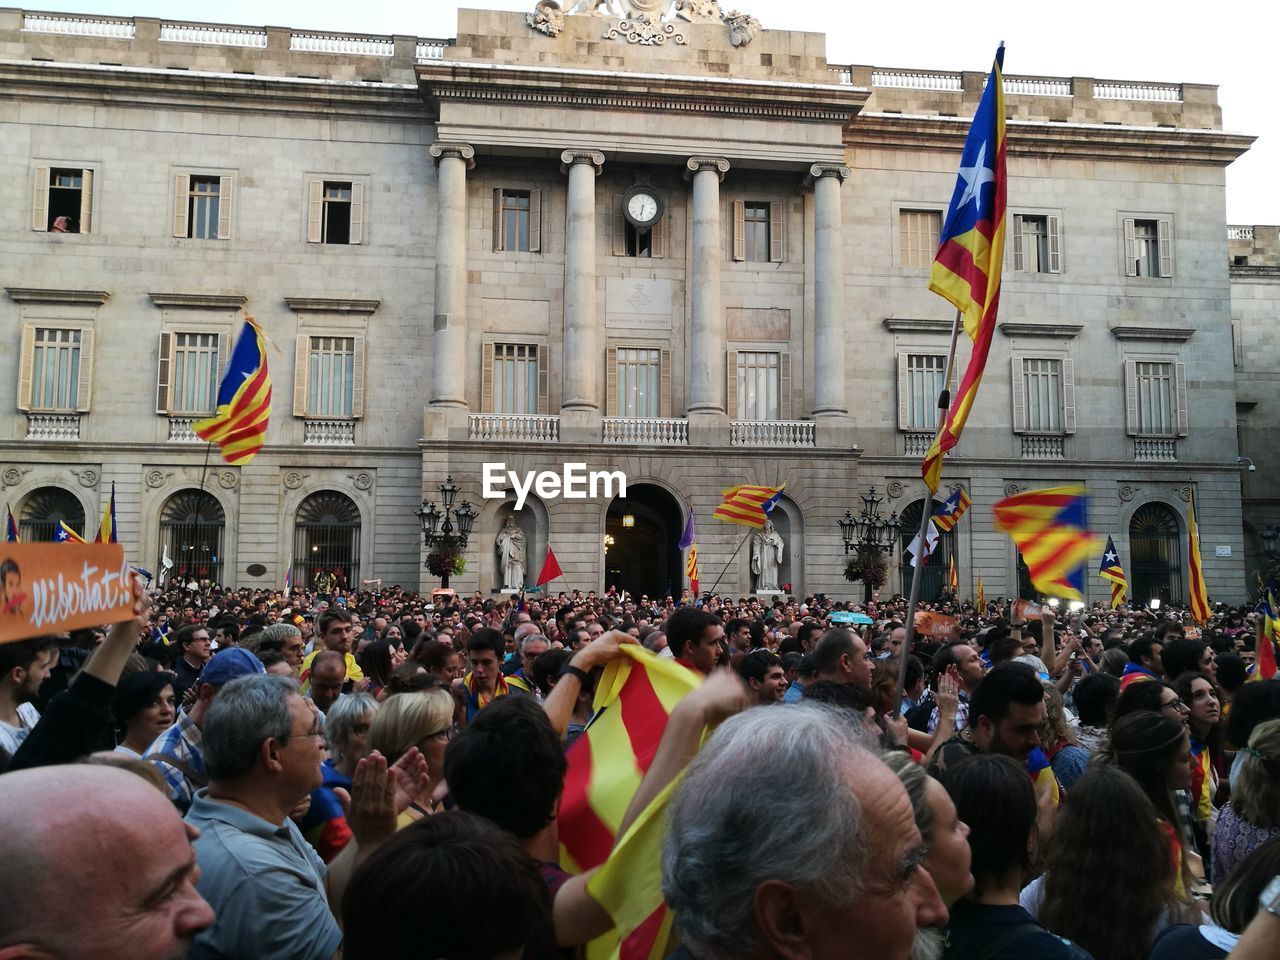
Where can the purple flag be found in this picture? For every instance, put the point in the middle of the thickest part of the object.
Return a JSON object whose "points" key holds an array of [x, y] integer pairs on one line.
{"points": [[687, 538]]}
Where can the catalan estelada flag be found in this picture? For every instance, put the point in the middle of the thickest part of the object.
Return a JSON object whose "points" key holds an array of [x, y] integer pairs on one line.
{"points": [[1051, 530], [1201, 780], [953, 580], [10, 526], [1195, 570], [948, 513], [239, 423], [966, 270], [64, 534], [1111, 570], [107, 528], [747, 504], [689, 541], [633, 699]]}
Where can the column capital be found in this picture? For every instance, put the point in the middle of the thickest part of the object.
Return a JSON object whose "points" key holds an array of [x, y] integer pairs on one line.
{"points": [[820, 170], [462, 151], [569, 157], [697, 164]]}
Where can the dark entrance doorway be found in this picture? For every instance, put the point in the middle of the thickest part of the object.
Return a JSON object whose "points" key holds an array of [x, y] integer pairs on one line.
{"points": [[643, 558]]}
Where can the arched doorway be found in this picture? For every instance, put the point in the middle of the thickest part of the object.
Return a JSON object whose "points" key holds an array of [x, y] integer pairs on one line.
{"points": [[934, 578], [326, 537], [191, 529], [1155, 550], [643, 557], [42, 511]]}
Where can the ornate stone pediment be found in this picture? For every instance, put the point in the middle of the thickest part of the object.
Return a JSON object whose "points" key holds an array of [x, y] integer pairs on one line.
{"points": [[645, 22]]}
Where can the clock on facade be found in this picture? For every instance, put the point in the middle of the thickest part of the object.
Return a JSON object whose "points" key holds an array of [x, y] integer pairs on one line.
{"points": [[642, 206]]}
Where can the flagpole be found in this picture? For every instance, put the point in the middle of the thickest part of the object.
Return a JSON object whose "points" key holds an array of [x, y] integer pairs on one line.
{"points": [[726, 566], [944, 402]]}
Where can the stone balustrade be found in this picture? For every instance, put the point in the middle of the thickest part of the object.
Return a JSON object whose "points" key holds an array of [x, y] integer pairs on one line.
{"points": [[345, 45], [53, 426], [1044, 448], [655, 431], [507, 428], [772, 433], [213, 34], [329, 433], [182, 430], [1155, 450], [110, 28], [916, 444]]}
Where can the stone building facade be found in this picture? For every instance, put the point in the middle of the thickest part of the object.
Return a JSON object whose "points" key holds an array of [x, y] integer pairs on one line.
{"points": [[656, 240]]}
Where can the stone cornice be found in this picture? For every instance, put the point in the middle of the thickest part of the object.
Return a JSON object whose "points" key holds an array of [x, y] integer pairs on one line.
{"points": [[1130, 332], [912, 325], [35, 295], [1061, 331], [646, 93], [1047, 139], [205, 301], [331, 305]]}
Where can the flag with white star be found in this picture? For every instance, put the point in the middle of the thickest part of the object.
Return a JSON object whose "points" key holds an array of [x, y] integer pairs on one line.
{"points": [[1111, 570], [948, 513]]}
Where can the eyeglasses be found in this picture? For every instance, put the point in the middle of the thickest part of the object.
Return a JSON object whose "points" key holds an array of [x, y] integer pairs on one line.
{"points": [[447, 734], [1177, 704]]}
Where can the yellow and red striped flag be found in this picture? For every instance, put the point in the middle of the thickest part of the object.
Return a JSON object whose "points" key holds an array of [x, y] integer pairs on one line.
{"points": [[1195, 570], [747, 504], [64, 534], [1050, 528], [107, 528], [239, 424], [982, 598], [1264, 667], [953, 579], [633, 700]]}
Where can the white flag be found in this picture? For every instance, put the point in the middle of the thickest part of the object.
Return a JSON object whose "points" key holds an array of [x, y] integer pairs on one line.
{"points": [[930, 542]]}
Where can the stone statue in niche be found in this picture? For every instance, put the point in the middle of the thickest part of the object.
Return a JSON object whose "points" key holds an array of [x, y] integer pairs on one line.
{"points": [[510, 545], [767, 551]]}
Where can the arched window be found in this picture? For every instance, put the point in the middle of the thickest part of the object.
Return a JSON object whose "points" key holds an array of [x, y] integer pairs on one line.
{"points": [[192, 524], [934, 578], [326, 540], [1155, 551], [43, 509]]}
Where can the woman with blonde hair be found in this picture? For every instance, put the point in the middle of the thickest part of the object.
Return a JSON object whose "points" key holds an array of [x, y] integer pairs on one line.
{"points": [[1252, 816], [422, 719]]}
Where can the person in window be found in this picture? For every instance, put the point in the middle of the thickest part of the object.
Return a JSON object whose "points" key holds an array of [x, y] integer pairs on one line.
{"points": [[61, 225]]}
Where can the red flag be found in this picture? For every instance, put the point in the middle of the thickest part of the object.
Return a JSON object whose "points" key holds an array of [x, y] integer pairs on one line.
{"points": [[550, 569]]}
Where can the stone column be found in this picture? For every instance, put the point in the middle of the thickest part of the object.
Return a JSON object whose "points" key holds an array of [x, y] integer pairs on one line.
{"points": [[708, 339], [580, 406], [829, 398], [448, 407]]}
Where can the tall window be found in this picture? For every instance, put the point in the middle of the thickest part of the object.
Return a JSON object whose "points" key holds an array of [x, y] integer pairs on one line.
{"points": [[638, 373], [515, 210], [515, 378], [1155, 550], [933, 578], [637, 242], [194, 374], [336, 225], [1154, 383], [203, 200], [55, 370], [1146, 248], [191, 529], [918, 232], [66, 196], [924, 377], [1037, 244], [1042, 386], [755, 231], [758, 385], [331, 380], [43, 509], [327, 539]]}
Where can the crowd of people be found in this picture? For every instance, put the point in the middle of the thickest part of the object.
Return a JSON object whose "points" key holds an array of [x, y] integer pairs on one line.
{"points": [[260, 774]]}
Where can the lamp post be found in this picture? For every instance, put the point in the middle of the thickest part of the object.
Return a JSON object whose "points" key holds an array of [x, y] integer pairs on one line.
{"points": [[439, 535], [870, 535]]}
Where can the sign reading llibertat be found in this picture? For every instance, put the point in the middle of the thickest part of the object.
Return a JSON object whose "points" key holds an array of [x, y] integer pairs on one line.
{"points": [[58, 587]]}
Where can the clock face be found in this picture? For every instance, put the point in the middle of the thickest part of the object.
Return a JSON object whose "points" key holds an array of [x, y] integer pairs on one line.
{"points": [[642, 208]]}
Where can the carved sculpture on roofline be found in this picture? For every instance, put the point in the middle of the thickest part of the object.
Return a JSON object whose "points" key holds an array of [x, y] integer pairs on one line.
{"points": [[547, 17], [645, 22]]}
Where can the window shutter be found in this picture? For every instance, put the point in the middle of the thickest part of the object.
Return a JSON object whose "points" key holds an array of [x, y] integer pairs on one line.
{"points": [[664, 384], [1131, 397], [86, 200], [544, 381], [1180, 397], [658, 238], [498, 243], [224, 208], [181, 191], [84, 389], [732, 406], [777, 232], [301, 371], [486, 378], [617, 228], [40, 201], [356, 233], [535, 221], [1130, 249], [162, 373], [611, 382], [1054, 226], [739, 230], [1237, 344], [1019, 255], [1164, 234], [904, 394], [1019, 383], [784, 386], [357, 378], [1068, 395], [224, 341], [315, 211], [25, 364]]}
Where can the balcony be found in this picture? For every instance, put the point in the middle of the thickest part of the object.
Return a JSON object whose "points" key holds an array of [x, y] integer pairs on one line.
{"points": [[1155, 450], [506, 428], [1044, 448], [772, 433], [329, 433], [53, 426], [649, 431], [182, 430], [916, 444]]}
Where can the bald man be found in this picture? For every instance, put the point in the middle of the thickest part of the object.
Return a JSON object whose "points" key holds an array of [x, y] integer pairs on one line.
{"points": [[102, 867]]}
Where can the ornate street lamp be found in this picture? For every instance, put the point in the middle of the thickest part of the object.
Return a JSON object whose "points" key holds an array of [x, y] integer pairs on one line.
{"points": [[444, 541], [870, 537]]}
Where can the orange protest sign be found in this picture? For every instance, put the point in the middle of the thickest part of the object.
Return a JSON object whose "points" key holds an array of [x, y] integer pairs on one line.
{"points": [[939, 625], [1027, 610], [55, 587]]}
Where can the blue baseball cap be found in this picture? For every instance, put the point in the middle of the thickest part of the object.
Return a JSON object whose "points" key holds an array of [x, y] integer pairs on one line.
{"points": [[228, 664]]}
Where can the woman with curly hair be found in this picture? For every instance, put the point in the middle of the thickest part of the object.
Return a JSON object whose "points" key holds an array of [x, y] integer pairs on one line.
{"points": [[1067, 758]]}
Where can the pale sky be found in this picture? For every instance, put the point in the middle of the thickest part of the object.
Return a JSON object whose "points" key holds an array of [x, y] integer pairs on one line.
{"points": [[1175, 41]]}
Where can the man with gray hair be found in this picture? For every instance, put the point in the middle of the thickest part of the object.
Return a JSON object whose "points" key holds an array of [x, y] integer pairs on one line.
{"points": [[839, 879], [531, 644]]}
